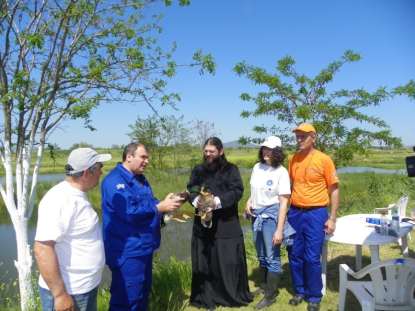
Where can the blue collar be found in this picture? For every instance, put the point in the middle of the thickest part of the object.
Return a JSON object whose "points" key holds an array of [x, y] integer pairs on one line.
{"points": [[128, 176]]}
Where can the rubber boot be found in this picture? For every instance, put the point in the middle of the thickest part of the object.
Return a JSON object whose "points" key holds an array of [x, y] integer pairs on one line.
{"points": [[271, 290], [262, 281]]}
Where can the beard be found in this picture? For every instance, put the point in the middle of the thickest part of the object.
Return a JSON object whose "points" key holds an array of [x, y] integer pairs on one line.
{"points": [[214, 165]]}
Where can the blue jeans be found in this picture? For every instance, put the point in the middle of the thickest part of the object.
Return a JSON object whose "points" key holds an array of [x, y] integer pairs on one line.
{"points": [[305, 253], [83, 302], [268, 254]]}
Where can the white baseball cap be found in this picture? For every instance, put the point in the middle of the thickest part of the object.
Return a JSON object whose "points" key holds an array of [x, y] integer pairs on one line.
{"points": [[272, 142], [81, 159]]}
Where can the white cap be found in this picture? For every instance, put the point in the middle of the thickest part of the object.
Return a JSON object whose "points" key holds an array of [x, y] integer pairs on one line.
{"points": [[81, 159], [272, 142]]}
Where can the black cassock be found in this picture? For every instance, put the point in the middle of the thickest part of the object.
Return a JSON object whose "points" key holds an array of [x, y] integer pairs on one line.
{"points": [[219, 271]]}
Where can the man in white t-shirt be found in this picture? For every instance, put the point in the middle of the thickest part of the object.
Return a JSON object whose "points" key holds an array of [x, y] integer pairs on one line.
{"points": [[68, 244]]}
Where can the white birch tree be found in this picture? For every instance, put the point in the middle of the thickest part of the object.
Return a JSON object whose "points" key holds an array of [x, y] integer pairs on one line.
{"points": [[60, 59]]}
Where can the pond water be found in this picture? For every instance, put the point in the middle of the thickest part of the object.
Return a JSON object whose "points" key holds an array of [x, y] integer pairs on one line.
{"points": [[175, 242], [346, 169], [362, 169], [45, 178]]}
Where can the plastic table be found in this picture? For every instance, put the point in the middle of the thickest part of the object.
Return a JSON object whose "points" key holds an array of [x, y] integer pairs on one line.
{"points": [[353, 229]]}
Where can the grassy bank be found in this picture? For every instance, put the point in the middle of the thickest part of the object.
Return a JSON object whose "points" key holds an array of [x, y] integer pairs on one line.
{"points": [[388, 159]]}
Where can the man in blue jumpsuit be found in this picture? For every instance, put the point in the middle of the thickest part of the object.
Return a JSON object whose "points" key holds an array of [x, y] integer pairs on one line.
{"points": [[131, 225]]}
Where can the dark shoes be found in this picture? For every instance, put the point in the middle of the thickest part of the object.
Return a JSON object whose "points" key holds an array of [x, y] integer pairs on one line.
{"points": [[313, 306], [258, 291], [265, 302], [271, 290], [262, 281], [296, 300]]}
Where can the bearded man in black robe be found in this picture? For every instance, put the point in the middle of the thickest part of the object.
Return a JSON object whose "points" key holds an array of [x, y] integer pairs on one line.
{"points": [[219, 271]]}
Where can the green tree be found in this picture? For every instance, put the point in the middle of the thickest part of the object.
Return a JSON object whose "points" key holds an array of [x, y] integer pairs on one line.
{"points": [[163, 136], [407, 89], [53, 148], [146, 131], [81, 144], [202, 130], [293, 98], [59, 60]]}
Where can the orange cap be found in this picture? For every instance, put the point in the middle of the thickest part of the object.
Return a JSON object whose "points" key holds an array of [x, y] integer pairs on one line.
{"points": [[305, 127]]}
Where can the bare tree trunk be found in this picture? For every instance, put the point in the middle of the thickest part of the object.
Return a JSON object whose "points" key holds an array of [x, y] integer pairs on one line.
{"points": [[24, 263], [18, 215]]}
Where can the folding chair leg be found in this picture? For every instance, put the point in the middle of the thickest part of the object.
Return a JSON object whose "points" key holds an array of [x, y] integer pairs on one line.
{"points": [[342, 298], [342, 288], [367, 306]]}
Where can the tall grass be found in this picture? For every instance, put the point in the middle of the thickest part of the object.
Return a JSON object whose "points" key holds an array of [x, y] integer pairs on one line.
{"points": [[171, 285], [362, 193]]}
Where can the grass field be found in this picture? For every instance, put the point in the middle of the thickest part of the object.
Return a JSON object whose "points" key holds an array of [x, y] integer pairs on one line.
{"points": [[388, 159], [243, 157]]}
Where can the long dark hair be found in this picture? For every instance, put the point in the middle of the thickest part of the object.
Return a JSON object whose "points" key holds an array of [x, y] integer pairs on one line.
{"points": [[215, 141], [277, 156]]}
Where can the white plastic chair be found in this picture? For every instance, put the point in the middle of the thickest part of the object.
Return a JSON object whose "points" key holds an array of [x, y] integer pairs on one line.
{"points": [[402, 203], [391, 286]]}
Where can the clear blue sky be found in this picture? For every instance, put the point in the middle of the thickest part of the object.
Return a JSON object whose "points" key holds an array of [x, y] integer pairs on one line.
{"points": [[261, 32]]}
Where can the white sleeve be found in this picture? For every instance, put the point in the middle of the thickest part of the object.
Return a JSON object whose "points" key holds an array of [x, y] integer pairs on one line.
{"points": [[195, 201], [52, 223], [218, 204], [284, 186]]}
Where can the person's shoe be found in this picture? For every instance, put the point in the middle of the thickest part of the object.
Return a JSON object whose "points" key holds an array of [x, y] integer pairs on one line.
{"points": [[265, 302], [271, 290], [262, 281], [258, 291], [296, 300], [313, 306]]}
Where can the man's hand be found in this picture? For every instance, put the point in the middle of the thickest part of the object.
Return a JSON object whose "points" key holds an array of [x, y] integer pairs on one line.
{"points": [[330, 226], [64, 302], [170, 203]]}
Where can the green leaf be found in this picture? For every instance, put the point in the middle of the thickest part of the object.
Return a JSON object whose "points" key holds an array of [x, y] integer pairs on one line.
{"points": [[351, 56], [36, 40]]}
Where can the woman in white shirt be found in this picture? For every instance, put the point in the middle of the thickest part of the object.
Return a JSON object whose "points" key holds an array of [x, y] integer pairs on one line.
{"points": [[267, 205]]}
